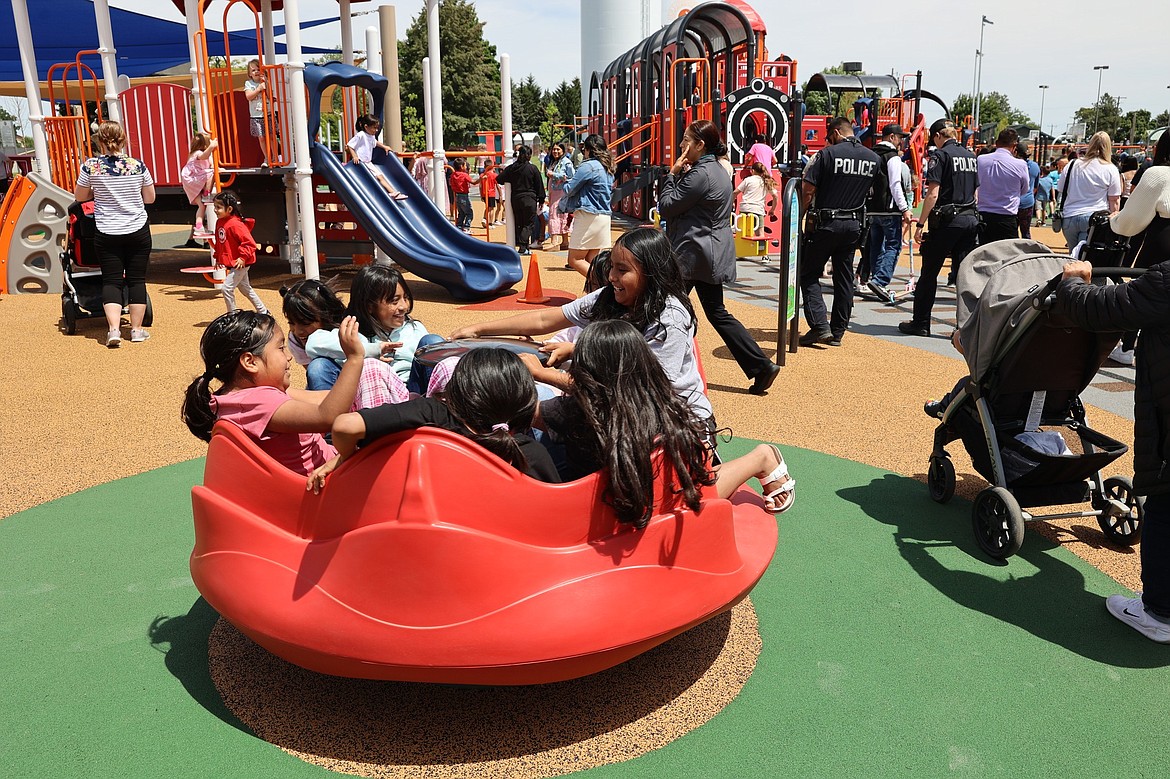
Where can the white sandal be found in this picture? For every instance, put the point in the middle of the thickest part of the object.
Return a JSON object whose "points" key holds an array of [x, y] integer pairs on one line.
{"points": [[783, 497]]}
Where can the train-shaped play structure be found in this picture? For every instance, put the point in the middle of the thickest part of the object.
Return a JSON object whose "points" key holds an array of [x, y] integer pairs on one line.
{"points": [[712, 63]]}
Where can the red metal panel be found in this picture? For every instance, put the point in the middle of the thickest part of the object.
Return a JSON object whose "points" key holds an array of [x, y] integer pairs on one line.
{"points": [[158, 125]]}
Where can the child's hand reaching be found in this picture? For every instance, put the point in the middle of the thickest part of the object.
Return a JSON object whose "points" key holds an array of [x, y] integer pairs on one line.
{"points": [[351, 339], [239, 263], [389, 350], [316, 480], [558, 353]]}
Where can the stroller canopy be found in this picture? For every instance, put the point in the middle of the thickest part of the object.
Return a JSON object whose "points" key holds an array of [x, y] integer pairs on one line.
{"points": [[996, 284]]}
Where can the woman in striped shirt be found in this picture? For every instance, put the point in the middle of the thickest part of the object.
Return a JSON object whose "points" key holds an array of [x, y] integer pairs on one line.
{"points": [[120, 187]]}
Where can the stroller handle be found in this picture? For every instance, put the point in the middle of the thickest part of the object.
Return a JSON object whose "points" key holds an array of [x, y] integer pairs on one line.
{"points": [[1046, 295]]}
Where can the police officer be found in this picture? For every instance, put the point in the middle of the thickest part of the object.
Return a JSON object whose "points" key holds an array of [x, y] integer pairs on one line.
{"points": [[949, 212], [836, 184]]}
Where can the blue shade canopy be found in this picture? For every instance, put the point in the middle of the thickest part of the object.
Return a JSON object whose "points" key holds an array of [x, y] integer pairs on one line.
{"points": [[145, 45]]}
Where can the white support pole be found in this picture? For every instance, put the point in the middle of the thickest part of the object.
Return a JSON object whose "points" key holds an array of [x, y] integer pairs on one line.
{"points": [[292, 217], [373, 51], [438, 174], [428, 120], [374, 65], [269, 38], [197, 65], [32, 84], [105, 31], [349, 94], [300, 121], [506, 140], [392, 111]]}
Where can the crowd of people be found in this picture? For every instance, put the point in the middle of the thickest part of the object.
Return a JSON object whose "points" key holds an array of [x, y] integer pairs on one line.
{"points": [[620, 384]]}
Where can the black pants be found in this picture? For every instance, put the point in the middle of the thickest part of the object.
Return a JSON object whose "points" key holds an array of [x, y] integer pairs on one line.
{"points": [[1155, 551], [123, 260], [939, 243], [819, 247], [752, 361], [998, 227], [1024, 220], [523, 211]]}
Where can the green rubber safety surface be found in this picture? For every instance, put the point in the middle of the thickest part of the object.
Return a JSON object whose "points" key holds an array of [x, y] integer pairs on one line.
{"points": [[892, 647]]}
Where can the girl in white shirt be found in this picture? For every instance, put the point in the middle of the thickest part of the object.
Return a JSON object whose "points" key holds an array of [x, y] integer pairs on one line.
{"points": [[361, 147]]}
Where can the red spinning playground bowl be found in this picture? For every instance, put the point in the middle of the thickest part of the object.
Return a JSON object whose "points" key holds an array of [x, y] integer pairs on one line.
{"points": [[426, 558]]}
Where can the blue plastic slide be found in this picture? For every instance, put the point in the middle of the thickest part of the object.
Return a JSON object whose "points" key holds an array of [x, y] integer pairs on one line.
{"points": [[413, 232]]}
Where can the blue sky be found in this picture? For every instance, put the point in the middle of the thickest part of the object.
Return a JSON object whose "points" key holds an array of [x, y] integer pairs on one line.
{"points": [[1029, 43]]}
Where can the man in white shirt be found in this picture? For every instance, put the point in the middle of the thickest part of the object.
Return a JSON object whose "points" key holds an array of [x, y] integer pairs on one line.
{"points": [[888, 211]]}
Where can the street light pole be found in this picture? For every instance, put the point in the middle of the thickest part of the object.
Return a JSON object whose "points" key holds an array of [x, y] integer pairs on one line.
{"points": [[1097, 107], [979, 74], [1040, 140]]}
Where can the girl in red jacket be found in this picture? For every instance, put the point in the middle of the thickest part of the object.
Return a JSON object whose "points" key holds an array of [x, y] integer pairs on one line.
{"points": [[235, 249]]}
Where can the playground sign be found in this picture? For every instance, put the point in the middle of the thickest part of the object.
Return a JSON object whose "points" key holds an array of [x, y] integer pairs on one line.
{"points": [[787, 324]]}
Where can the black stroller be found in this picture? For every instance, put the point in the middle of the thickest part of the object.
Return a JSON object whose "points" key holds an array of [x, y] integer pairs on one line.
{"points": [[1028, 367], [81, 295]]}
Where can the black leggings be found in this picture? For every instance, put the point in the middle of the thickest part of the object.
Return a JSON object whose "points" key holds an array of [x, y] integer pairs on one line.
{"points": [[123, 259], [523, 211]]}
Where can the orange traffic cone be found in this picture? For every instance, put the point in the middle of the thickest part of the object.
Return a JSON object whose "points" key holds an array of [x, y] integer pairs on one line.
{"points": [[533, 291]]}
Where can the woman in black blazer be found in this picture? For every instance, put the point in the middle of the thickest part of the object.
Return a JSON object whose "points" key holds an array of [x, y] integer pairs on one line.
{"points": [[697, 206]]}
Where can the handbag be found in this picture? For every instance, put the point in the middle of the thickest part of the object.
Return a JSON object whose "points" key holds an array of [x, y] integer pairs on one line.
{"points": [[1058, 214]]}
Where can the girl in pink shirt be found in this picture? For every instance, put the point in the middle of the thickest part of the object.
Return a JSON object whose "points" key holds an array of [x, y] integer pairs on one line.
{"points": [[245, 352]]}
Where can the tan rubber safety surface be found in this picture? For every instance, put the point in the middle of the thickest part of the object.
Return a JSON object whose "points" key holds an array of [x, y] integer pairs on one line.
{"points": [[76, 414]]}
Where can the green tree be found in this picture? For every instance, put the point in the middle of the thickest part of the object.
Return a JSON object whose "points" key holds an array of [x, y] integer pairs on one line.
{"points": [[527, 105], [1161, 120], [819, 103], [470, 71], [1131, 127], [993, 107], [414, 131], [548, 130], [567, 98], [6, 117]]}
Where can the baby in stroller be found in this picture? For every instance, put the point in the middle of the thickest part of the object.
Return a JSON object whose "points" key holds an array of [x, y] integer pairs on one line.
{"points": [[1027, 368]]}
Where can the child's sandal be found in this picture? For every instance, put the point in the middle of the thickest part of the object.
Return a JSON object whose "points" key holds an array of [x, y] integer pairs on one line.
{"points": [[783, 497]]}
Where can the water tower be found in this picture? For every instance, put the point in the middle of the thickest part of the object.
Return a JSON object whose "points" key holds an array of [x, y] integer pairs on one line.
{"points": [[610, 28]]}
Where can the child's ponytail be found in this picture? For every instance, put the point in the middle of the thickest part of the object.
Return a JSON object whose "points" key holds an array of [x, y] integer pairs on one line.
{"points": [[223, 343], [499, 441], [492, 394], [230, 201]]}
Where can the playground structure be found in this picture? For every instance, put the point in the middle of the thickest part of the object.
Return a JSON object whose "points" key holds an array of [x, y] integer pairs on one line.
{"points": [[880, 100], [272, 173], [522, 601], [710, 63]]}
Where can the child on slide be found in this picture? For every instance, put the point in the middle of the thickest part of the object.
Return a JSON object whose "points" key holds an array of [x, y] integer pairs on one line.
{"points": [[361, 147], [244, 351]]}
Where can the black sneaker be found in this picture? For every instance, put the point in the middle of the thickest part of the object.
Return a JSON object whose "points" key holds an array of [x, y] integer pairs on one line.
{"points": [[934, 408], [909, 328], [834, 340], [764, 379], [813, 337], [191, 244]]}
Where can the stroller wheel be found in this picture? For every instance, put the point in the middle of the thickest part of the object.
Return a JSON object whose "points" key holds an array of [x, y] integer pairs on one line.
{"points": [[998, 522], [1123, 528], [940, 479], [69, 313], [148, 317]]}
